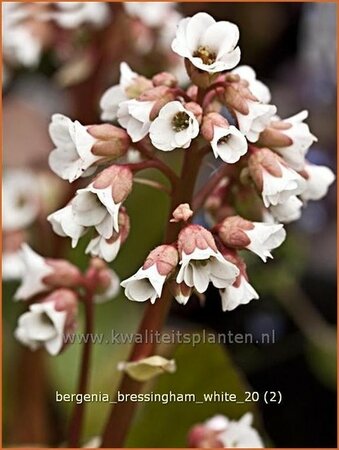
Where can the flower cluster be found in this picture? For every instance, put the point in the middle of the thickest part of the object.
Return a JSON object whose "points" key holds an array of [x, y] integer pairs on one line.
{"points": [[52, 288], [261, 151]]}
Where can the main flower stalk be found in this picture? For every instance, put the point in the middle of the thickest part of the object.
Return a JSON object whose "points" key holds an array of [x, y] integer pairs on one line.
{"points": [[154, 318]]}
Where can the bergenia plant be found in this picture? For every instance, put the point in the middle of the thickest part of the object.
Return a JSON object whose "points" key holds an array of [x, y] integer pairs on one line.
{"points": [[226, 115]]}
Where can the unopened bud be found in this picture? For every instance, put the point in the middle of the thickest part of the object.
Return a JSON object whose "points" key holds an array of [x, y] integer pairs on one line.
{"points": [[64, 274], [196, 109], [119, 177], [182, 213], [211, 120], [165, 79], [112, 142], [231, 232], [165, 257]]}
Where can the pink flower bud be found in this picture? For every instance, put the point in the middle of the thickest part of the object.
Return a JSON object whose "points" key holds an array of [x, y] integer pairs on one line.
{"points": [[120, 178], [196, 109], [182, 213], [273, 135], [161, 95], [165, 257], [236, 96], [264, 160], [195, 237], [111, 141], [231, 231], [165, 79], [64, 274], [209, 122]]}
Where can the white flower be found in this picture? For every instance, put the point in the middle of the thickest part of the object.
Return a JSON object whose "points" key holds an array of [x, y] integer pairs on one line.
{"points": [[36, 269], [146, 284], [209, 45], [203, 266], [13, 267], [96, 207], [240, 293], [112, 98], [302, 139], [134, 116], [288, 211], [21, 199], [42, 326], [19, 44], [319, 180], [63, 224], [73, 14], [111, 291], [278, 189], [253, 123], [153, 14], [265, 237], [241, 434], [106, 249], [72, 155], [258, 89], [175, 127], [228, 143]]}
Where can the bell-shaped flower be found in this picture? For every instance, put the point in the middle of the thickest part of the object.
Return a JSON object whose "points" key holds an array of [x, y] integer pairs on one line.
{"points": [[255, 121], [288, 211], [240, 292], [42, 274], [318, 181], [258, 88], [73, 153], [229, 144], [273, 178], [226, 141], [108, 249], [63, 224], [175, 127], [46, 323], [201, 262], [291, 138], [210, 46], [130, 86], [134, 116], [260, 238], [148, 282], [98, 205]]}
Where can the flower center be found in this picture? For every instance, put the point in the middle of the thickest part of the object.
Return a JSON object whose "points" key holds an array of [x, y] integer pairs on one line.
{"points": [[224, 140], [180, 121], [207, 56]]}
